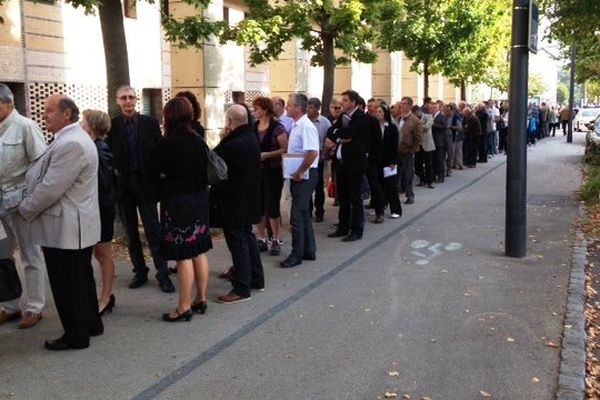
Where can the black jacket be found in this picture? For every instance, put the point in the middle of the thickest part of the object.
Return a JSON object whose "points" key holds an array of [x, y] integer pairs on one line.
{"points": [[471, 126], [484, 118], [107, 190], [440, 130], [389, 145], [236, 201], [354, 153], [149, 134]]}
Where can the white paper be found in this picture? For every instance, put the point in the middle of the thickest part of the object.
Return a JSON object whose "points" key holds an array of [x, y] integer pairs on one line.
{"points": [[291, 163], [2, 232], [388, 171]]}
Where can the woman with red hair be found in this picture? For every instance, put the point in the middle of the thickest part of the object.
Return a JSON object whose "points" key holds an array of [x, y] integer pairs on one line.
{"points": [[179, 165]]}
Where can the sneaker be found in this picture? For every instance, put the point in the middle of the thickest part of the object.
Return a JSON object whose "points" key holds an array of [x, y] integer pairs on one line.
{"points": [[395, 216], [275, 248], [29, 319], [227, 275], [263, 245], [231, 298]]}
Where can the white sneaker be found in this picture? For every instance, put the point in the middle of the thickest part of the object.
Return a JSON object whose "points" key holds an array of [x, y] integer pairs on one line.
{"points": [[395, 216]]}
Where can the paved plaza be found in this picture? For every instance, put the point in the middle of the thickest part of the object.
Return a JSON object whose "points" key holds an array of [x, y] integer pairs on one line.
{"points": [[429, 296]]}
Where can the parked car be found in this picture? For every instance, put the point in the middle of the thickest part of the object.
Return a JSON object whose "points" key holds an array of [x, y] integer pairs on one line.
{"points": [[585, 116], [596, 126]]}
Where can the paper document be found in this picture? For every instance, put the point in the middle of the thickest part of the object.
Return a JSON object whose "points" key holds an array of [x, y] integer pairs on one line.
{"points": [[2, 232], [387, 171], [291, 163]]}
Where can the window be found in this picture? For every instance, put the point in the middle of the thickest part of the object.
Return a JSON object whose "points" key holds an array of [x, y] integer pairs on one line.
{"points": [[18, 91]]}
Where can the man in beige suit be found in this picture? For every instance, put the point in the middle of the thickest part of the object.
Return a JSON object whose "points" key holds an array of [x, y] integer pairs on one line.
{"points": [[411, 137], [62, 208]]}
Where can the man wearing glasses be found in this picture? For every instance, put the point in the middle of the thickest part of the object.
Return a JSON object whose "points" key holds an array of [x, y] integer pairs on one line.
{"points": [[132, 138]]}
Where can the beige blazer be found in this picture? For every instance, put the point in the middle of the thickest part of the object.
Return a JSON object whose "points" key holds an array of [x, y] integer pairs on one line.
{"points": [[427, 123], [62, 186]]}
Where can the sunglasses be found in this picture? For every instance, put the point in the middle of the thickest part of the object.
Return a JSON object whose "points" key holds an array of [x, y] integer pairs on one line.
{"points": [[336, 107], [130, 97]]}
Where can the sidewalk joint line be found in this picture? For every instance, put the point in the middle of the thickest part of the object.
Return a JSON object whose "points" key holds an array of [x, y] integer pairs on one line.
{"points": [[172, 378]]}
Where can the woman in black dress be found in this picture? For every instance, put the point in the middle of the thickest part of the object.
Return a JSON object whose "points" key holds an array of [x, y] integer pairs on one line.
{"points": [[179, 165], [97, 124]]}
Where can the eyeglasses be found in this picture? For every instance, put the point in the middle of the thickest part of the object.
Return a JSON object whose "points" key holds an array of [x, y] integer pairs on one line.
{"points": [[130, 97], [336, 107]]}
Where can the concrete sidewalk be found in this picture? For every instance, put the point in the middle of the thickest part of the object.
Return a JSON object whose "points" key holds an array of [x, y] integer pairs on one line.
{"points": [[429, 296]]}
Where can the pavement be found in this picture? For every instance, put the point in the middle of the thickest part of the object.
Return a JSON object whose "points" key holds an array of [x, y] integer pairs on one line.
{"points": [[425, 306]]}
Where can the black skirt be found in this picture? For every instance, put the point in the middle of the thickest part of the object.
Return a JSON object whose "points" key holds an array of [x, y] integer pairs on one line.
{"points": [[184, 226]]}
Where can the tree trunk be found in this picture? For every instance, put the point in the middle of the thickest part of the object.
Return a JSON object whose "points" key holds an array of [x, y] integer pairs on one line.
{"points": [[463, 90], [328, 72], [426, 78], [115, 50]]}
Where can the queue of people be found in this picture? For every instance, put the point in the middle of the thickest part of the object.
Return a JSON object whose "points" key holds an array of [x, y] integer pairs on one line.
{"points": [[96, 168]]}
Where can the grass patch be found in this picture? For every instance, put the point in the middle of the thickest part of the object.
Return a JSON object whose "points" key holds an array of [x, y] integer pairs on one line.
{"points": [[590, 192]]}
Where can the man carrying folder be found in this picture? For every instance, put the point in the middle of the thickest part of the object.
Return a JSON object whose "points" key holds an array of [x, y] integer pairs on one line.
{"points": [[303, 142]]}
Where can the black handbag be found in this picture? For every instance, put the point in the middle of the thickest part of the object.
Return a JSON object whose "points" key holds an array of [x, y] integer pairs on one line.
{"points": [[10, 284]]}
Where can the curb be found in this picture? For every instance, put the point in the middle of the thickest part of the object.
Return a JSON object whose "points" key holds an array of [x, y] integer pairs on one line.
{"points": [[571, 378]]}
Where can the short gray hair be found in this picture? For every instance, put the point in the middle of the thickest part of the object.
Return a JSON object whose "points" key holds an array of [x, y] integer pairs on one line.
{"points": [[65, 104], [300, 100], [6, 96]]}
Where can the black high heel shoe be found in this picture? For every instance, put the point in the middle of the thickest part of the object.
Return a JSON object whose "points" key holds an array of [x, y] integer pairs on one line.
{"points": [[186, 315], [109, 306], [200, 308]]}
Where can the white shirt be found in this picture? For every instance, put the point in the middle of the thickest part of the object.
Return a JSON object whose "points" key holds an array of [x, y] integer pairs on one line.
{"points": [[494, 113], [304, 137]]}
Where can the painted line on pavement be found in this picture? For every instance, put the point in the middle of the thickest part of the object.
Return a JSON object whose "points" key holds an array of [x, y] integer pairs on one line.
{"points": [[181, 372]]}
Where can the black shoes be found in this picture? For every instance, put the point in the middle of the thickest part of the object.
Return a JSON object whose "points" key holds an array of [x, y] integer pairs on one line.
{"points": [[200, 308], [263, 245], [319, 217], [61, 344], [184, 316], [165, 284], [378, 219], [337, 233], [139, 280], [291, 262], [410, 200], [109, 306], [352, 237]]}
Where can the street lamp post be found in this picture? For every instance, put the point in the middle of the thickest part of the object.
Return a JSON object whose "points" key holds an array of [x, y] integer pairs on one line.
{"points": [[571, 94], [516, 171]]}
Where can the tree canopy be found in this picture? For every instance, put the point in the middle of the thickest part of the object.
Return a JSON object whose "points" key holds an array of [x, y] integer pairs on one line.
{"points": [[577, 22]]}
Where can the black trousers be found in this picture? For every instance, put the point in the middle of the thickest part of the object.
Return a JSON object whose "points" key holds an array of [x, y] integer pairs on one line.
{"points": [[390, 191], [74, 290], [135, 200], [439, 161], [319, 202], [471, 149], [482, 148], [377, 200], [243, 247], [424, 166], [351, 214]]}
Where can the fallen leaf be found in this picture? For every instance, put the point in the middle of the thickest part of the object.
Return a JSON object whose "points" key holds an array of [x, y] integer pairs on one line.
{"points": [[550, 343], [485, 394], [393, 373], [535, 380], [331, 306], [390, 395], [406, 396], [510, 339], [425, 398]]}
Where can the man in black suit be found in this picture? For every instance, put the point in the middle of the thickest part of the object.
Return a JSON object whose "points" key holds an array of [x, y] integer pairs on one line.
{"points": [[235, 204], [132, 138], [353, 143], [440, 138]]}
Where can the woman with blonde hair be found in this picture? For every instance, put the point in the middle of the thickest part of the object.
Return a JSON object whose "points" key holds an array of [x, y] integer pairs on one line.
{"points": [[97, 124]]}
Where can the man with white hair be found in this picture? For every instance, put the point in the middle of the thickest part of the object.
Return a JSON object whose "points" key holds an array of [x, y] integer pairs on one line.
{"points": [[235, 204], [21, 142]]}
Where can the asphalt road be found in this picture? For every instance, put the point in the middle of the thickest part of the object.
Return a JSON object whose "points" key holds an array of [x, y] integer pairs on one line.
{"points": [[429, 296]]}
